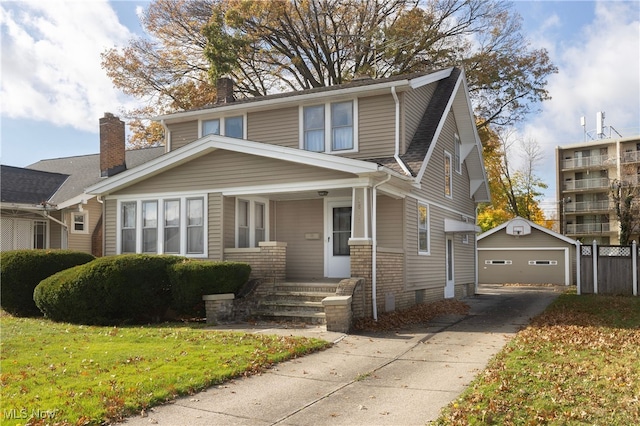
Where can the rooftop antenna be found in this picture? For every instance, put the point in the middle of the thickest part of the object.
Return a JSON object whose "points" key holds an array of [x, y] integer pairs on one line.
{"points": [[583, 123], [600, 124]]}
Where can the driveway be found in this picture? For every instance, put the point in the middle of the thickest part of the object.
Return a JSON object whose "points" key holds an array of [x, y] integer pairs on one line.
{"points": [[405, 377]]}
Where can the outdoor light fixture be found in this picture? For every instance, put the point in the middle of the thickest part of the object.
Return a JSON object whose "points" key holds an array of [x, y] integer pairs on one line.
{"points": [[323, 193]]}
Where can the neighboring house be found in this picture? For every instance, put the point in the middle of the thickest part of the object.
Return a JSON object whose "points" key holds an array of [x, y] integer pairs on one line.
{"points": [[584, 173], [45, 206], [520, 251], [375, 178]]}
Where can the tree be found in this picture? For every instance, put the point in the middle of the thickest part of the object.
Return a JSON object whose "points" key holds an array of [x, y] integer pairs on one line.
{"points": [[283, 45], [625, 193], [515, 191]]}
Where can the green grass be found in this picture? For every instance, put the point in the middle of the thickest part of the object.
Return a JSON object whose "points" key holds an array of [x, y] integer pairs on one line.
{"points": [[81, 374], [577, 363]]}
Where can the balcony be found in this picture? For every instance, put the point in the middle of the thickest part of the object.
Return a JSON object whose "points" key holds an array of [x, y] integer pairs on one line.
{"points": [[581, 184], [588, 228], [586, 162], [587, 206], [630, 157]]}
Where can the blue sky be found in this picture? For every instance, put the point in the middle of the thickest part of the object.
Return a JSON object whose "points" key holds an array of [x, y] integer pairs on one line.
{"points": [[53, 91]]}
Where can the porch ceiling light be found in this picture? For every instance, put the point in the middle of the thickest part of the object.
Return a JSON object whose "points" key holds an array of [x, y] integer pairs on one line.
{"points": [[323, 193]]}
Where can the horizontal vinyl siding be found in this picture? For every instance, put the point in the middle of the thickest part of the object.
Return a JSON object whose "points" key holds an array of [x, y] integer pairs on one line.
{"points": [[111, 207], [390, 222], [305, 258], [183, 133], [425, 271], [414, 105], [55, 235], [225, 169], [376, 124], [82, 242], [277, 127], [537, 238], [464, 258], [214, 228], [229, 214]]}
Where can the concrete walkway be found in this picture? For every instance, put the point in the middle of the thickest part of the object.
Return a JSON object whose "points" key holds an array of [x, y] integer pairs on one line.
{"points": [[404, 377]]}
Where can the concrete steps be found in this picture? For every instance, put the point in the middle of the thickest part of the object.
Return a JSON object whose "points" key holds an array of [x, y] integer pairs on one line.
{"points": [[295, 302]]}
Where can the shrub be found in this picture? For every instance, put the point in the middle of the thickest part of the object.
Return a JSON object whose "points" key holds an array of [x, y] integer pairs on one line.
{"points": [[109, 290], [22, 270], [190, 280]]}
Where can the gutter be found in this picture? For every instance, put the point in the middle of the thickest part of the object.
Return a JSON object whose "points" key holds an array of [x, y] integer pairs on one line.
{"points": [[396, 154], [374, 249]]}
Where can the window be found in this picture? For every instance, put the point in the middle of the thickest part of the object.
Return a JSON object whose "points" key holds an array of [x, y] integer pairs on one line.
{"points": [[457, 161], [195, 225], [39, 234], [211, 127], [128, 227], [172, 226], [423, 229], [465, 238], [330, 127], [233, 127], [497, 262], [150, 227], [543, 262], [79, 223], [448, 184], [251, 222]]}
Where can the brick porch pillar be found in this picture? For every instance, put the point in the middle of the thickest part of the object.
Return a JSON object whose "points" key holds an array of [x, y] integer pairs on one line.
{"points": [[361, 263]]}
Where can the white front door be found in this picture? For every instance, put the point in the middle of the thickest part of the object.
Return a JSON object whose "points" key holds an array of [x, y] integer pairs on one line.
{"points": [[449, 289], [336, 238]]}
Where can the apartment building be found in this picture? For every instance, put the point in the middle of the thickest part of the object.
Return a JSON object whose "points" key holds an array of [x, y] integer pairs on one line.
{"points": [[584, 174]]}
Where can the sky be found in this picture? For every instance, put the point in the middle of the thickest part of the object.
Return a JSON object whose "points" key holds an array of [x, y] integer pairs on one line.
{"points": [[53, 90]]}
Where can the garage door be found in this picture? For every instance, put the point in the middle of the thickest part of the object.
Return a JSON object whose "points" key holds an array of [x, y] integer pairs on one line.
{"points": [[521, 266]]}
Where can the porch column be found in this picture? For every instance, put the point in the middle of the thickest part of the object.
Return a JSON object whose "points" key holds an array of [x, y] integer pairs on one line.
{"points": [[361, 214]]}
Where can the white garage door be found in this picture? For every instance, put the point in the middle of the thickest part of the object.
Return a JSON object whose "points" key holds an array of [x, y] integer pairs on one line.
{"points": [[522, 266]]}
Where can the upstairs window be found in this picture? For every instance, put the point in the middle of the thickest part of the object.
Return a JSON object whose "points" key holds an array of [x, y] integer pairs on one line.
{"points": [[211, 127], [457, 161], [330, 127], [232, 127], [448, 181]]}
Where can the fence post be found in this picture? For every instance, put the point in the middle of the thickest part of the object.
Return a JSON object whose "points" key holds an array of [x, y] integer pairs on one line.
{"points": [[594, 254], [634, 267], [578, 266]]}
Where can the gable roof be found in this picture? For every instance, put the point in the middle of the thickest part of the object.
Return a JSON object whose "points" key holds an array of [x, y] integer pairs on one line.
{"points": [[24, 186], [84, 171], [533, 225]]}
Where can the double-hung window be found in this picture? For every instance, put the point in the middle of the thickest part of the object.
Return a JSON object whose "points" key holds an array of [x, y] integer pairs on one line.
{"points": [[232, 127], [128, 227], [195, 225], [448, 179], [330, 127], [211, 127], [172, 226], [423, 229], [80, 223], [251, 222], [149, 226]]}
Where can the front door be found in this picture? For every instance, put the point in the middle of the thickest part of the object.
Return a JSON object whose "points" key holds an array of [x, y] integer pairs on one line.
{"points": [[337, 234], [449, 289]]}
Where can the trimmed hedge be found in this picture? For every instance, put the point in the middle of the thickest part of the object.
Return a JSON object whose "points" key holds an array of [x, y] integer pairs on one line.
{"points": [[109, 290], [191, 280], [22, 270]]}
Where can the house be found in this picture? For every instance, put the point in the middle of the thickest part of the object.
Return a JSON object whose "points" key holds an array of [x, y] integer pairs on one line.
{"points": [[376, 178], [584, 174], [520, 251], [45, 206]]}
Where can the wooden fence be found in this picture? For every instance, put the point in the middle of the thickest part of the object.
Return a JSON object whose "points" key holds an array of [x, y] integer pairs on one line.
{"points": [[608, 269]]}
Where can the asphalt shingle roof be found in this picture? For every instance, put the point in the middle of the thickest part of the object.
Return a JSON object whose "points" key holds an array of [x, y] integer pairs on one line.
{"points": [[24, 186]]}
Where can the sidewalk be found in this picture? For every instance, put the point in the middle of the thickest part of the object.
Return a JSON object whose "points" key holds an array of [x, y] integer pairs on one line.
{"points": [[404, 377]]}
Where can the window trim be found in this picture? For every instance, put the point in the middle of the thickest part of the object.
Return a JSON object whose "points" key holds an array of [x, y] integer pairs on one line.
{"points": [[160, 223], [85, 223], [448, 175], [223, 124], [328, 129], [427, 229], [252, 220]]}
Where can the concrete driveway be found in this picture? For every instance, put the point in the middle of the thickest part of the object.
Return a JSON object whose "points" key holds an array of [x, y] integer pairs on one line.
{"points": [[404, 377]]}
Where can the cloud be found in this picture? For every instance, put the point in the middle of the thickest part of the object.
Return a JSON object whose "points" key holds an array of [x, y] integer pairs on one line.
{"points": [[51, 61]]}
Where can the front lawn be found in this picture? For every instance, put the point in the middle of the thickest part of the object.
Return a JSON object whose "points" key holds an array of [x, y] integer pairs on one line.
{"points": [[79, 374], [577, 363]]}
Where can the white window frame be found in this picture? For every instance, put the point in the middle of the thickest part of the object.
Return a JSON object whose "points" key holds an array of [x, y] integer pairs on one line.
{"points": [[448, 186], [160, 228], [328, 129], [252, 220], [457, 160], [85, 222], [223, 124], [427, 230]]}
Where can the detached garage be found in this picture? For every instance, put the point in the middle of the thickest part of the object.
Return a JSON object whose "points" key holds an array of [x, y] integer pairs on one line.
{"points": [[520, 251]]}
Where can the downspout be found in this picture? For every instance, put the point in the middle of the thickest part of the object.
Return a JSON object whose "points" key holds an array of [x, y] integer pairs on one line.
{"points": [[374, 248], [396, 154], [46, 215]]}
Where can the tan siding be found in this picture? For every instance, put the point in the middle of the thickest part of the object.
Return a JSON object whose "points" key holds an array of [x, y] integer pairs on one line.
{"points": [[183, 133], [229, 214], [214, 228], [537, 238], [305, 258], [111, 207], [390, 222], [224, 169], [376, 116], [55, 233], [82, 242], [464, 256], [414, 105], [277, 126]]}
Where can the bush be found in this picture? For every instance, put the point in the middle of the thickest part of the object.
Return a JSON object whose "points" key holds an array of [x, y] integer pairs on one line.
{"points": [[192, 279], [22, 270], [109, 290]]}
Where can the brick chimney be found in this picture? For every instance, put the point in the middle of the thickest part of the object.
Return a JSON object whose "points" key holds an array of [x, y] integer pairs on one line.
{"points": [[224, 91], [112, 145]]}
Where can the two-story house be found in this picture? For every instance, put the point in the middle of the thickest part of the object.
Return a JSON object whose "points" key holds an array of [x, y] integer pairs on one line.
{"points": [[376, 178]]}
